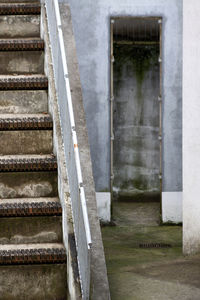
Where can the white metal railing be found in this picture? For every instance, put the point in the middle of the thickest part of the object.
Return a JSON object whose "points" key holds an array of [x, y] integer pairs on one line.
{"points": [[77, 193]]}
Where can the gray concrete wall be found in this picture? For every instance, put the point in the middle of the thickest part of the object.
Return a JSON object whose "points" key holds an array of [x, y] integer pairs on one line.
{"points": [[91, 27], [136, 122]]}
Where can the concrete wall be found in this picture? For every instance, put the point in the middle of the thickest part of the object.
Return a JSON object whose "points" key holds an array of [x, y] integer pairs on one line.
{"points": [[191, 126], [91, 27], [136, 122], [99, 286]]}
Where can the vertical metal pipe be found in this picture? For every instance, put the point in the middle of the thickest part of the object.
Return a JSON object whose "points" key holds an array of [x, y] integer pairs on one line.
{"points": [[111, 105], [160, 108]]}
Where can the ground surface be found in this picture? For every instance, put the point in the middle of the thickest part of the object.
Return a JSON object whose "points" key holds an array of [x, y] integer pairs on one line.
{"points": [[153, 273]]}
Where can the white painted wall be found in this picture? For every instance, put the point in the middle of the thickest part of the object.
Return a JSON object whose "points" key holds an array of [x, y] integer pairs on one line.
{"points": [[172, 207], [104, 206], [191, 126]]}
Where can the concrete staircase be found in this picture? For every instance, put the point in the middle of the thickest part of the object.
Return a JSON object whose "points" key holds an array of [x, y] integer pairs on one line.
{"points": [[32, 254]]}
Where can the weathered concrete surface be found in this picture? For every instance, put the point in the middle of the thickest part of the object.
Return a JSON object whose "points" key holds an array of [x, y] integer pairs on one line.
{"points": [[91, 28], [26, 142], [133, 214], [28, 184], [26, 230], [191, 127], [22, 62], [23, 102], [33, 282], [137, 273], [20, 26], [99, 281], [136, 158]]}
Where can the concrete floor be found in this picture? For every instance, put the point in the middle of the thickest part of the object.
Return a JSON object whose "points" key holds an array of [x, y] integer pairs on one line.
{"points": [[147, 274]]}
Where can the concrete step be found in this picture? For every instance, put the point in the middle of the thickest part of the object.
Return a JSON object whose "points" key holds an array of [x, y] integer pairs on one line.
{"points": [[28, 184], [25, 122], [19, 1], [12, 8], [26, 142], [19, 26], [29, 163], [19, 20], [23, 254], [26, 230], [22, 62], [30, 207], [26, 44], [30, 220], [30, 134], [21, 56], [23, 82], [23, 102], [28, 176], [30, 282]]}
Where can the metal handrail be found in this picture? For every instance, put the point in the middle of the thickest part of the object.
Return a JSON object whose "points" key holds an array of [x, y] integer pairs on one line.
{"points": [[71, 115], [70, 140]]}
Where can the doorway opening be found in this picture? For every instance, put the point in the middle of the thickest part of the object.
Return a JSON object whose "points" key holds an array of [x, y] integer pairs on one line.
{"points": [[136, 108]]}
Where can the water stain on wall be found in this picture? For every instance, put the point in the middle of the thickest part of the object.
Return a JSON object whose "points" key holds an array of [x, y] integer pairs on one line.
{"points": [[136, 121]]}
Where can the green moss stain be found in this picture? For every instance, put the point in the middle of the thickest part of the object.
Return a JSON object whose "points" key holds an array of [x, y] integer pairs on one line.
{"points": [[121, 244], [104, 191], [137, 62]]}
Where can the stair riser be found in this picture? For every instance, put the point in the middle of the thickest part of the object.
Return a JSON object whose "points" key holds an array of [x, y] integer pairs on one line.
{"points": [[21, 62], [28, 184], [23, 102], [33, 282], [20, 26], [25, 230], [26, 142]]}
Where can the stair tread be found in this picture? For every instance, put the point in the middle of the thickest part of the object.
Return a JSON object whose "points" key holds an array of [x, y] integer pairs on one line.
{"points": [[21, 44], [27, 163], [21, 76], [20, 8], [30, 207], [23, 82], [7, 247], [24, 116], [30, 200], [32, 253], [27, 156], [25, 122], [20, 39], [27, 200]]}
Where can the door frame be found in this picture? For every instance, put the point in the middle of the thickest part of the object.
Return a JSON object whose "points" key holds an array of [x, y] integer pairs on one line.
{"points": [[160, 23]]}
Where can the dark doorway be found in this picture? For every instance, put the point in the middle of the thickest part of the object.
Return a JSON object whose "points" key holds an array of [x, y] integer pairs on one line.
{"points": [[136, 109]]}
